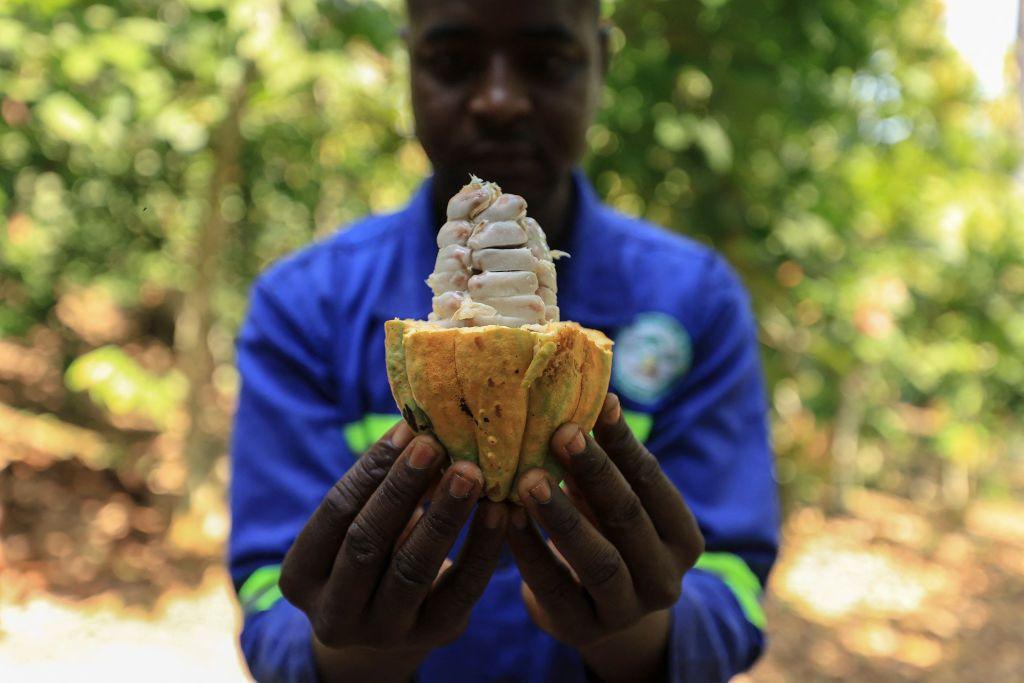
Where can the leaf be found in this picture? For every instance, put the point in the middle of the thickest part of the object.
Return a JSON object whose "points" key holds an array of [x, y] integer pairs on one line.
{"points": [[64, 117]]}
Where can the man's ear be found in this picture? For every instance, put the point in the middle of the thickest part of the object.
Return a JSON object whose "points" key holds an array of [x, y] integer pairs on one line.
{"points": [[604, 46]]}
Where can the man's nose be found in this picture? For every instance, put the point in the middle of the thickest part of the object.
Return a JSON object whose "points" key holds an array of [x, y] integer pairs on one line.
{"points": [[501, 95]]}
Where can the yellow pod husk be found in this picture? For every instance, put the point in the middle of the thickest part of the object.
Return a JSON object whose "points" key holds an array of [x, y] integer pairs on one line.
{"points": [[494, 395]]}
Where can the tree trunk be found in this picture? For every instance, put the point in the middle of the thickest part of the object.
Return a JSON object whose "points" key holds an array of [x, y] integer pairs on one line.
{"points": [[846, 438], [1019, 52], [956, 487], [202, 443]]}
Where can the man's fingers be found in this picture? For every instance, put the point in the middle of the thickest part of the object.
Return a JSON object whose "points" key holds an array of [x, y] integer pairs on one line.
{"points": [[445, 566], [618, 512], [415, 565], [464, 582], [417, 514], [595, 560], [665, 505], [578, 499], [538, 614], [311, 557], [367, 547], [550, 581]]}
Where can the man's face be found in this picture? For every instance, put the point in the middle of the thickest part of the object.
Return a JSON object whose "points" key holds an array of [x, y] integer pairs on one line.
{"points": [[505, 90]]}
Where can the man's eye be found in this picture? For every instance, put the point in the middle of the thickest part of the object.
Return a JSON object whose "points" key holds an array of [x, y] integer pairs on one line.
{"points": [[450, 65], [551, 67]]}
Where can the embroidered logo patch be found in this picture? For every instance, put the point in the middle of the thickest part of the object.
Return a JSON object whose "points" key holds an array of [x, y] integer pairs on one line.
{"points": [[650, 354]]}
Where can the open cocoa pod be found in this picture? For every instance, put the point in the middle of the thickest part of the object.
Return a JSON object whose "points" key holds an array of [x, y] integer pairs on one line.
{"points": [[492, 372]]}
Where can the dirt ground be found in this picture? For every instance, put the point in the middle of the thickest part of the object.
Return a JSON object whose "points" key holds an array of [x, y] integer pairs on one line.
{"points": [[96, 585], [886, 595]]}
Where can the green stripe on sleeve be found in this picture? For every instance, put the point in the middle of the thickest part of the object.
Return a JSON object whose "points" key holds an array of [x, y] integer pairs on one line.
{"points": [[363, 433], [266, 600], [639, 423], [743, 583], [260, 591]]}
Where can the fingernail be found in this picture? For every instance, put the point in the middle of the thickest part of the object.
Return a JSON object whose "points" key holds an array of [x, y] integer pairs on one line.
{"points": [[576, 444], [402, 435], [612, 410], [518, 518], [459, 486], [492, 516], [423, 455], [541, 491]]}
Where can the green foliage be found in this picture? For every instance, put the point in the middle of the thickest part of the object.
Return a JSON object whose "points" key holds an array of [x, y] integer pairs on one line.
{"points": [[117, 383], [835, 151], [838, 154], [109, 111]]}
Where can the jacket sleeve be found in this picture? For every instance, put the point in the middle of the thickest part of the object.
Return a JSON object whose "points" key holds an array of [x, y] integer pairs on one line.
{"points": [[711, 436], [287, 450]]}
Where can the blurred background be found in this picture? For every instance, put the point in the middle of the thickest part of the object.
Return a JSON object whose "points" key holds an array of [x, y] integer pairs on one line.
{"points": [[858, 161]]}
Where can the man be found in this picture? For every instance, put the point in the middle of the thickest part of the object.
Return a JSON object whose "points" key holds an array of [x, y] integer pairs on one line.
{"points": [[506, 91]]}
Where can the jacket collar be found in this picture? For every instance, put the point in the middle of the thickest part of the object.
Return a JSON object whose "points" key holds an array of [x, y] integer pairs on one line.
{"points": [[593, 288], [412, 259]]}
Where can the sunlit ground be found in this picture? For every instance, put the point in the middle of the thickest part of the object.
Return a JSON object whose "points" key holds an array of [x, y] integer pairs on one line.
{"points": [[189, 636], [887, 594], [883, 594]]}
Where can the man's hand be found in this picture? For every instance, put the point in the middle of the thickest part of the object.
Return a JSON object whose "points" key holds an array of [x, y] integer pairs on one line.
{"points": [[371, 586], [620, 550]]}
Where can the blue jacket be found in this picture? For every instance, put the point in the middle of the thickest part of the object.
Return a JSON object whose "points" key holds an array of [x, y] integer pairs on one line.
{"points": [[315, 394]]}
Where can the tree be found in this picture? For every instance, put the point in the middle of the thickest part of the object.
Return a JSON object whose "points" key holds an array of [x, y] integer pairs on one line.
{"points": [[839, 155], [159, 155]]}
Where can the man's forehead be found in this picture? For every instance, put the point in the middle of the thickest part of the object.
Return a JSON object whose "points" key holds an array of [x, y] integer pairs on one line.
{"points": [[501, 14]]}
